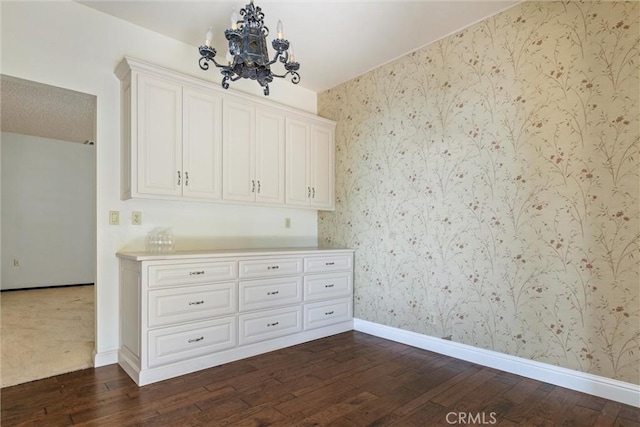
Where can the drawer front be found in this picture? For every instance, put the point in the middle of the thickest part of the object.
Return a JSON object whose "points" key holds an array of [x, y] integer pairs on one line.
{"points": [[188, 274], [173, 344], [256, 327], [323, 286], [269, 293], [270, 268], [186, 304], [321, 264], [327, 313]]}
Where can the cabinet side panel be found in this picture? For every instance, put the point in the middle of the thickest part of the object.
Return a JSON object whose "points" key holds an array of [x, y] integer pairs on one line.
{"points": [[130, 308], [125, 153]]}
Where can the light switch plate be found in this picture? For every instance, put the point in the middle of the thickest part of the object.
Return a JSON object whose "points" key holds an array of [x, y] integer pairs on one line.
{"points": [[114, 217]]}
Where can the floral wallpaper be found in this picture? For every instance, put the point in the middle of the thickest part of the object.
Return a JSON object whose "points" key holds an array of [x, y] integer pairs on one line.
{"points": [[489, 183]]}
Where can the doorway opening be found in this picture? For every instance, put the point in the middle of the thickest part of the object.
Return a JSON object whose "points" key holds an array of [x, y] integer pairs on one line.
{"points": [[48, 230]]}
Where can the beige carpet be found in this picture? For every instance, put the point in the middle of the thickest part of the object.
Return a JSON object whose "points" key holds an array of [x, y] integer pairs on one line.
{"points": [[46, 332]]}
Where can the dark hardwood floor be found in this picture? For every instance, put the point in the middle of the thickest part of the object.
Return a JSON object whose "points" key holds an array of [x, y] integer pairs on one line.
{"points": [[351, 379]]}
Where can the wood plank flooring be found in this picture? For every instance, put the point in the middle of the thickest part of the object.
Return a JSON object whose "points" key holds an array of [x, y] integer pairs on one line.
{"points": [[351, 379]]}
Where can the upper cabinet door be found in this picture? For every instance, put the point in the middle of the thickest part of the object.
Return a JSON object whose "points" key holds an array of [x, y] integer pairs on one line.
{"points": [[202, 145], [322, 169], [238, 142], [298, 186], [270, 157], [159, 150]]}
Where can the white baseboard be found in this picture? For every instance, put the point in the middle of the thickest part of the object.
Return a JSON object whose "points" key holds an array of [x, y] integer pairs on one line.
{"points": [[607, 388], [105, 358]]}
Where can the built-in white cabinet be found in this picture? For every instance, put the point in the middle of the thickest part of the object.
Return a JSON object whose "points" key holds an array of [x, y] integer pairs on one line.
{"points": [[185, 139], [187, 311], [310, 164], [172, 139], [253, 153]]}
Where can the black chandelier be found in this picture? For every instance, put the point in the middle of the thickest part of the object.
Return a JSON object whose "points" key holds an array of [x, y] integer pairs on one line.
{"points": [[248, 57]]}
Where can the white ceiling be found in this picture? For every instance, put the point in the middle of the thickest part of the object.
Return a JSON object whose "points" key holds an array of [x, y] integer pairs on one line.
{"points": [[334, 40]]}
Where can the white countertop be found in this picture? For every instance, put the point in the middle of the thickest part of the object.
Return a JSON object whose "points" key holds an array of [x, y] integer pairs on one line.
{"points": [[221, 253]]}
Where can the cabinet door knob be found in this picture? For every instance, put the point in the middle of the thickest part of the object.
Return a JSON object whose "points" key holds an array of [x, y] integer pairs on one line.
{"points": [[308, 192], [314, 193], [179, 180], [253, 186], [273, 293], [196, 273], [258, 186], [196, 302], [328, 313], [272, 324], [192, 340], [329, 286], [186, 178]]}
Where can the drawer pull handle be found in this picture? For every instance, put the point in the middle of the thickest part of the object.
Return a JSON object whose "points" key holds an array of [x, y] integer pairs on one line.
{"points": [[196, 273], [273, 293], [328, 313], [196, 302], [272, 324], [192, 340], [329, 263], [272, 267], [329, 286]]}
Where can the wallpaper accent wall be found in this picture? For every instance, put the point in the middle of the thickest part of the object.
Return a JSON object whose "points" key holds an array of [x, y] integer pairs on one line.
{"points": [[489, 183]]}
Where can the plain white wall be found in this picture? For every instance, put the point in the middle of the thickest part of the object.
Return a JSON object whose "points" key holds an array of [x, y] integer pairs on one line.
{"points": [[48, 212], [69, 45]]}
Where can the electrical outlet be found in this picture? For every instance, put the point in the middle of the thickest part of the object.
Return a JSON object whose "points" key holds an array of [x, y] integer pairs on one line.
{"points": [[114, 217], [136, 218], [16, 262], [287, 223]]}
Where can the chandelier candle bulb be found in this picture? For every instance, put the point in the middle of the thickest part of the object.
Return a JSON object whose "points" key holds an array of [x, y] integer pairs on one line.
{"points": [[234, 20], [280, 29], [208, 37], [292, 56]]}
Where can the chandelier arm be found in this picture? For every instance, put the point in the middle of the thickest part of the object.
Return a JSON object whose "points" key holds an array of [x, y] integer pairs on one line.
{"points": [[295, 77], [281, 76], [218, 65], [275, 59]]}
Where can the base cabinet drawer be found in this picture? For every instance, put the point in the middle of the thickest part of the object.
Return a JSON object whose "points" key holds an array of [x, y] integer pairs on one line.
{"points": [[188, 274], [325, 286], [269, 293], [173, 344], [328, 263], [270, 267], [191, 303], [264, 325], [327, 313]]}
